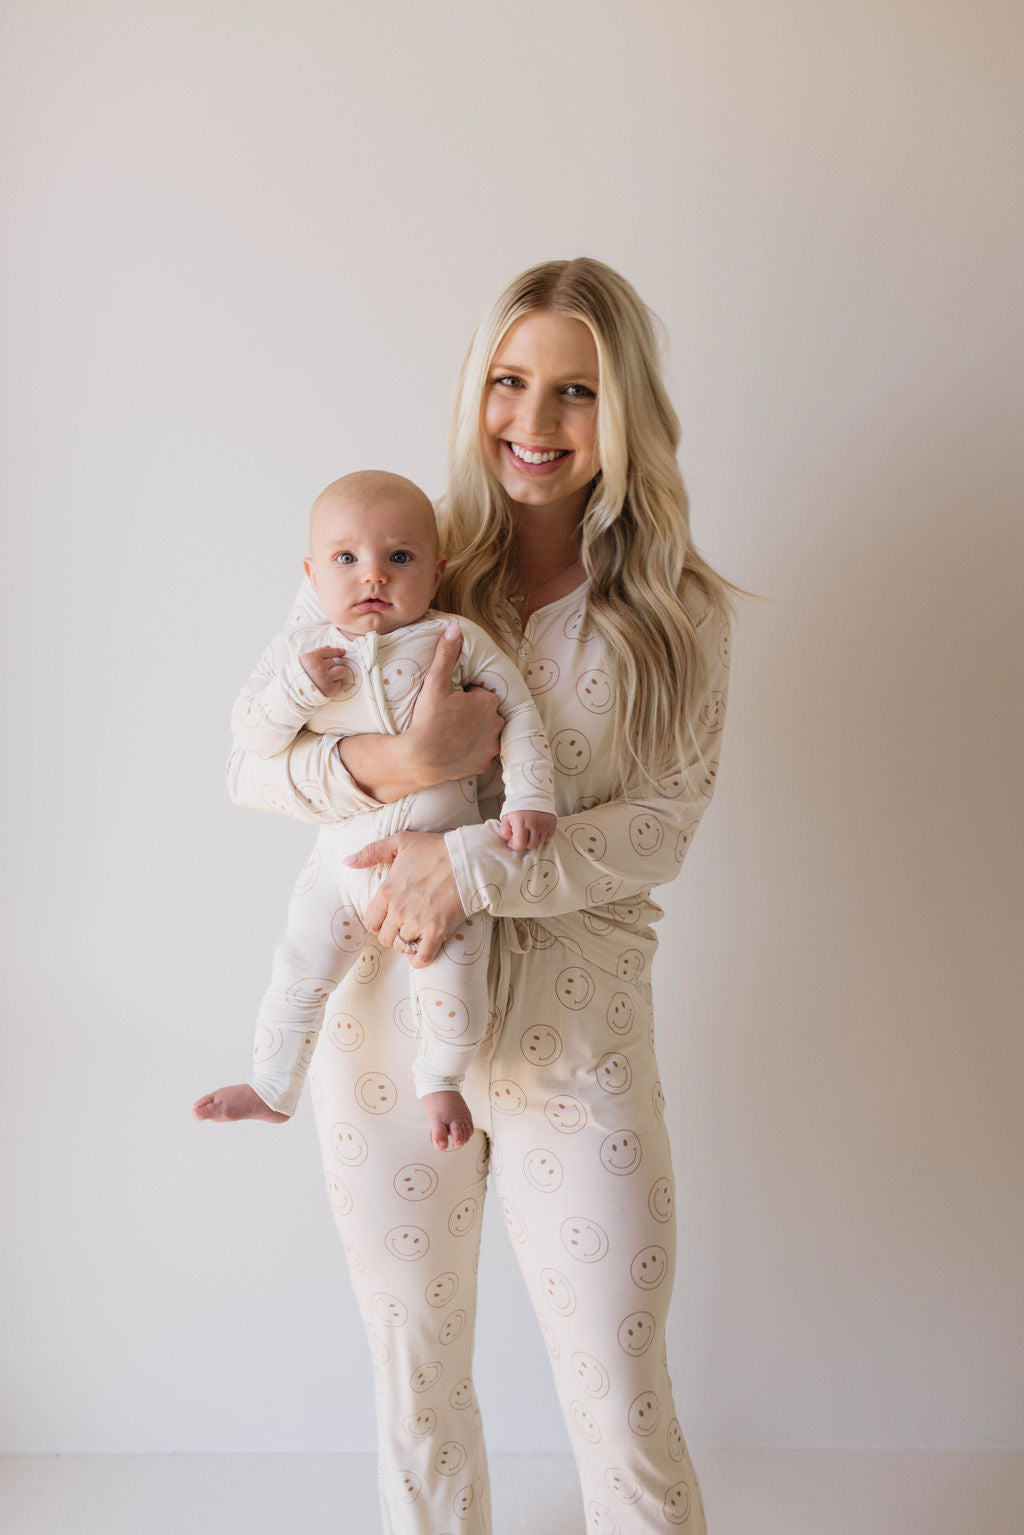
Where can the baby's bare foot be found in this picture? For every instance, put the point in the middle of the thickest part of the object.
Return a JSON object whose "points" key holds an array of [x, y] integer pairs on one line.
{"points": [[449, 1119], [228, 1104]]}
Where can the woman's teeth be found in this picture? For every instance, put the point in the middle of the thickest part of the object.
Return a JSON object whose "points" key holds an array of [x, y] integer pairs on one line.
{"points": [[537, 458]]}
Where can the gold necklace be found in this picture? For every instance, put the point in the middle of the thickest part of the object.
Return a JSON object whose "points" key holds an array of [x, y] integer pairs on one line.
{"points": [[516, 597]]}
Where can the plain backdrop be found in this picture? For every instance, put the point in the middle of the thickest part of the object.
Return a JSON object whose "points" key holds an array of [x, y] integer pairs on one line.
{"points": [[243, 248]]}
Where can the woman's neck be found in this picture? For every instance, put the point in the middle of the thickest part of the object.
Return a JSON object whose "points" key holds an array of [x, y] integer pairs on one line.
{"points": [[547, 540]]}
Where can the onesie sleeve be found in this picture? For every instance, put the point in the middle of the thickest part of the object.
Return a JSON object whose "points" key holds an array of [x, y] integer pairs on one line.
{"points": [[525, 753], [276, 763], [616, 849]]}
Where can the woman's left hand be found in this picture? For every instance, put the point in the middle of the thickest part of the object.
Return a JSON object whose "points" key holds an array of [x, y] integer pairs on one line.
{"points": [[419, 897]]}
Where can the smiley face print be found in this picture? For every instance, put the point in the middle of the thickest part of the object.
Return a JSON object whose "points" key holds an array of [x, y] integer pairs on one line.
{"points": [[408, 1486], [444, 1015], [420, 1424], [310, 874], [601, 1520], [368, 965], [399, 678], [558, 1292], [677, 1503], [267, 1044], [644, 1414], [311, 992], [623, 1485], [338, 1194], [345, 1032], [660, 1201], [614, 1073], [621, 1152], [452, 1327], [574, 987], [442, 1289], [390, 1310], [463, 1217], [602, 890], [463, 1501], [415, 1181], [376, 1093], [584, 1422], [676, 1443], [712, 712], [595, 924], [543, 1170], [347, 931], [658, 1100], [706, 781], [407, 1242], [620, 1014], [636, 1333], [630, 965], [484, 898], [646, 834], [583, 1239], [672, 785], [349, 1145], [426, 1375], [591, 1374], [649, 1268], [541, 675], [565, 1114], [470, 942], [514, 1222], [541, 878], [276, 801], [462, 1395], [575, 626], [570, 752], [507, 1097], [541, 1045], [595, 692], [450, 1458], [683, 840]]}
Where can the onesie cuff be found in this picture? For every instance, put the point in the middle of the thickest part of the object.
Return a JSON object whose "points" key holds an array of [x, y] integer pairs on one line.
{"points": [[302, 692], [467, 848]]}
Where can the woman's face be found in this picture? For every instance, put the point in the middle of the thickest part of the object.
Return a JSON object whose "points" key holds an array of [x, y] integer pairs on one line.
{"points": [[539, 419]]}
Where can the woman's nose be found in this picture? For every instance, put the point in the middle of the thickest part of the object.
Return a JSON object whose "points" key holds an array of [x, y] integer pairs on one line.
{"points": [[537, 413]]}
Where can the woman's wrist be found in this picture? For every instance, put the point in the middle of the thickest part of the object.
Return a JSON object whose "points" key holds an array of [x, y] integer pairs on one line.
{"points": [[385, 766]]}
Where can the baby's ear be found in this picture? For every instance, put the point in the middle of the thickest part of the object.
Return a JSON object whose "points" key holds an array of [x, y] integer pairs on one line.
{"points": [[439, 572], [307, 566]]}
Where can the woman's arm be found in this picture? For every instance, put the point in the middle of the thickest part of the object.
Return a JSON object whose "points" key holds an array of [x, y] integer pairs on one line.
{"points": [[322, 779]]}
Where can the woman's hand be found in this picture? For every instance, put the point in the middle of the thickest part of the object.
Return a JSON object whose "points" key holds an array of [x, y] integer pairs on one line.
{"points": [[419, 897], [454, 732]]}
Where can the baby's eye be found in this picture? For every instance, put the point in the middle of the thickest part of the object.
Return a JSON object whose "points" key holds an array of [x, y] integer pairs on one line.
{"points": [[345, 557], [401, 557]]}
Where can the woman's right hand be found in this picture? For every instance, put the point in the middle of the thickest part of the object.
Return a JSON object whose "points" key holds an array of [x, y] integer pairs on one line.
{"points": [[453, 733]]}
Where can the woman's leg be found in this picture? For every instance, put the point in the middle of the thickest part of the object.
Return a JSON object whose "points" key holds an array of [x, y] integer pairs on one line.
{"points": [[409, 1216], [581, 1162]]}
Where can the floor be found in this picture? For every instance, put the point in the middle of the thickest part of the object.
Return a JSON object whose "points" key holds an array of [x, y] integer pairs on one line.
{"points": [[746, 1492]]}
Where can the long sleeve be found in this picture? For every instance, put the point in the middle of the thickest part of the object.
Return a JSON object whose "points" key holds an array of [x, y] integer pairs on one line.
{"points": [[611, 851], [525, 753], [275, 703]]}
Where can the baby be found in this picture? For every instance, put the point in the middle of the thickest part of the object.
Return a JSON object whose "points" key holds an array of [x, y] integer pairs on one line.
{"points": [[375, 566]]}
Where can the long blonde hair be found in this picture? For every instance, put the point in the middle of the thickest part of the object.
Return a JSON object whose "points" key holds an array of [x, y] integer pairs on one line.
{"points": [[636, 544]]}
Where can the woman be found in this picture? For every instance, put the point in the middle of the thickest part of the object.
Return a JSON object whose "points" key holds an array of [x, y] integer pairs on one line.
{"points": [[567, 534]]}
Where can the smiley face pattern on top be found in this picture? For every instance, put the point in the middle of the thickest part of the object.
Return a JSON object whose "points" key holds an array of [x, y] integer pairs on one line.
{"points": [[566, 1095], [325, 932]]}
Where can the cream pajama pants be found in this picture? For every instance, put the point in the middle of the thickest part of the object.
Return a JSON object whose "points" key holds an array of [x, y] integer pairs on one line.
{"points": [[568, 1108]]}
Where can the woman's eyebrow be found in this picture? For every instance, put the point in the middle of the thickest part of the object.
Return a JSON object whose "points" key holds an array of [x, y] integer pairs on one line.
{"points": [[565, 378]]}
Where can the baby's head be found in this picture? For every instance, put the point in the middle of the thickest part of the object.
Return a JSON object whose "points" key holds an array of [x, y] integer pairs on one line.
{"points": [[373, 552]]}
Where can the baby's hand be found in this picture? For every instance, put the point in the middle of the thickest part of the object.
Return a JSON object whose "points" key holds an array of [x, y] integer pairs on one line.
{"points": [[526, 829], [229, 1104], [326, 667]]}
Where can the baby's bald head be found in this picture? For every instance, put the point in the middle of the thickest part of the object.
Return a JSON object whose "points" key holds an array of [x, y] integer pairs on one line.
{"points": [[373, 552], [371, 493]]}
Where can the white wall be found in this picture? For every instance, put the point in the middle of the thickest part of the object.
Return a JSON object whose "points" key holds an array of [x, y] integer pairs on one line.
{"points": [[244, 246]]}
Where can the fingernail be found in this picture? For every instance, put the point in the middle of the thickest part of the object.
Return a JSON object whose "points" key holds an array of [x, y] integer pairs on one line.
{"points": [[453, 631]]}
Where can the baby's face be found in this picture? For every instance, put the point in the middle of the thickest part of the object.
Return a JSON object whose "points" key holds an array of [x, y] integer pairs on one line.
{"points": [[373, 561]]}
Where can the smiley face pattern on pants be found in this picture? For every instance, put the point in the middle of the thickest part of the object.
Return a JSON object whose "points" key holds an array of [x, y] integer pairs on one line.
{"points": [[585, 1185]]}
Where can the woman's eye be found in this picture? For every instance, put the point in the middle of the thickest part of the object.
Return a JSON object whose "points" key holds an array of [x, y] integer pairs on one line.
{"points": [[579, 392], [401, 557], [508, 380]]}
